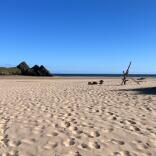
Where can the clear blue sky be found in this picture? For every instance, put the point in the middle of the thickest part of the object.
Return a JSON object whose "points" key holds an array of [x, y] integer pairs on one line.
{"points": [[79, 36]]}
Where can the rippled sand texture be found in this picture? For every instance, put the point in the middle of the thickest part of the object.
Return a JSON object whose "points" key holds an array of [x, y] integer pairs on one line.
{"points": [[70, 118]]}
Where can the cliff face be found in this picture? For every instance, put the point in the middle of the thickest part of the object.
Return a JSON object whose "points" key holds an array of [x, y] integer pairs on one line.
{"points": [[24, 69]]}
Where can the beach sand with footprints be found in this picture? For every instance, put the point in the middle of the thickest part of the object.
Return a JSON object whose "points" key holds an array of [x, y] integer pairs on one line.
{"points": [[68, 117]]}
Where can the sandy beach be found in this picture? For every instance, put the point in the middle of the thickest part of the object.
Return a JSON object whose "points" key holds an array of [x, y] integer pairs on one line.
{"points": [[67, 117]]}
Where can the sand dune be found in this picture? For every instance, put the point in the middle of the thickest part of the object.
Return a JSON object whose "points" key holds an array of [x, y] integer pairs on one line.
{"points": [[69, 118]]}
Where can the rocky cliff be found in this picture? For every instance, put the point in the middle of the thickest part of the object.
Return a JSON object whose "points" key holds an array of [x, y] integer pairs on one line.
{"points": [[24, 69]]}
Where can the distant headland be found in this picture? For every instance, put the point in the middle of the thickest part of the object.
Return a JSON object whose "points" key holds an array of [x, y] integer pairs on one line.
{"points": [[25, 70]]}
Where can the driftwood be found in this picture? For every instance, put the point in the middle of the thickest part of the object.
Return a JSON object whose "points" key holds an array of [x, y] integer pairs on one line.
{"points": [[141, 78], [125, 76]]}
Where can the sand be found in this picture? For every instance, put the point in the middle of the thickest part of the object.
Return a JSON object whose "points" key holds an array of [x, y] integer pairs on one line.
{"points": [[66, 117]]}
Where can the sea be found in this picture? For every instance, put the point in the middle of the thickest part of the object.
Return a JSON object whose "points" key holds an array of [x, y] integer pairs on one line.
{"points": [[105, 75]]}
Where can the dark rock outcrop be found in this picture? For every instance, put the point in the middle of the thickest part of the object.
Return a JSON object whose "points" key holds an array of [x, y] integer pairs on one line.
{"points": [[36, 70], [24, 69], [44, 71], [40, 71]]}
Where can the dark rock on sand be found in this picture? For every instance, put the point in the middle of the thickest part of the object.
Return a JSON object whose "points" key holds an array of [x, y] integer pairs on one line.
{"points": [[92, 83], [101, 82]]}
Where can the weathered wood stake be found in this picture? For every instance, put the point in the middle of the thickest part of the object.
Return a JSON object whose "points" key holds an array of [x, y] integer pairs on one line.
{"points": [[125, 75]]}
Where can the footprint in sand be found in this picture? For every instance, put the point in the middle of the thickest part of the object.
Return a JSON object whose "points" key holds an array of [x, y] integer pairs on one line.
{"points": [[127, 153], [123, 153], [152, 143], [114, 118], [84, 146], [69, 114], [134, 128], [94, 145], [88, 135], [69, 142], [95, 134], [28, 141], [49, 146], [55, 134], [13, 153], [14, 143], [66, 124], [78, 136], [131, 122], [72, 153], [73, 128], [117, 154], [79, 131], [117, 142], [1, 133]]}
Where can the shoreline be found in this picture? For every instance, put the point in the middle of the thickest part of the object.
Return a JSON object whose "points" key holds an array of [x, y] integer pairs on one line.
{"points": [[56, 77], [67, 77]]}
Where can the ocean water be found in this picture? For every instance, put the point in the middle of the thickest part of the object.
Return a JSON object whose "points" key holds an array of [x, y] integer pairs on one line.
{"points": [[105, 75]]}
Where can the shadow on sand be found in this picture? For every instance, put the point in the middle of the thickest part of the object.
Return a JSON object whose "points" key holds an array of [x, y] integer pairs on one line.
{"points": [[150, 91]]}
